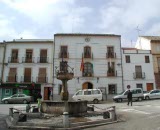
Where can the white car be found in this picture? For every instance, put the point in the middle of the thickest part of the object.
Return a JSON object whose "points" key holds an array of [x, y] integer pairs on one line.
{"points": [[94, 95], [153, 94], [137, 94]]}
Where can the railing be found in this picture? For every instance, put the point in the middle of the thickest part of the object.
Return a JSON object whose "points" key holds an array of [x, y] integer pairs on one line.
{"points": [[42, 60], [111, 73], [13, 60], [41, 79], [12, 78], [110, 55], [64, 55], [87, 55], [26, 79], [139, 75], [87, 74], [27, 60]]}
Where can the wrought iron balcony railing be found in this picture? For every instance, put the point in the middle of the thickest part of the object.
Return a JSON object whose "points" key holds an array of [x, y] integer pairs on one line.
{"points": [[42, 79], [110, 55], [13, 60], [42, 60], [27, 60], [139, 75], [26, 79], [87, 74], [64, 55], [12, 78]]}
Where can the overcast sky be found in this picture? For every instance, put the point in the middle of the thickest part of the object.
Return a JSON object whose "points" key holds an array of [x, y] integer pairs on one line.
{"points": [[43, 18]]}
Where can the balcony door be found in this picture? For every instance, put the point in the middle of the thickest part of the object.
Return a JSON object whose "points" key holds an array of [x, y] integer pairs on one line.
{"points": [[43, 56], [12, 75], [27, 75], [110, 52], [64, 51], [42, 75], [14, 58], [29, 54], [138, 70]]}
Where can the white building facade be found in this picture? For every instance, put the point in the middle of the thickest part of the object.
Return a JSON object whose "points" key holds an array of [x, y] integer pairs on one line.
{"points": [[138, 69], [101, 57], [28, 68]]}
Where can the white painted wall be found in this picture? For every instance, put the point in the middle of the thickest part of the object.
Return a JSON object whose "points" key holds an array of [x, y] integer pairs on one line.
{"points": [[137, 57], [21, 46], [98, 46], [1, 58]]}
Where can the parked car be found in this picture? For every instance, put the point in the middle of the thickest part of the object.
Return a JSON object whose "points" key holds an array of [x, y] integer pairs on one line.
{"points": [[17, 98], [137, 94], [153, 94], [94, 95]]}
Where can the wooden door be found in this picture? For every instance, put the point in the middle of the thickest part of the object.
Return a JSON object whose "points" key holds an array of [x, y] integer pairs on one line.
{"points": [[138, 70], [27, 75], [12, 75], [85, 86], [42, 75], [149, 86], [46, 93], [43, 56]]}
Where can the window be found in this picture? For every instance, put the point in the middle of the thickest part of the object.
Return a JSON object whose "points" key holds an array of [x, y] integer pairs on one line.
{"points": [[112, 89], [147, 59], [14, 58], [28, 56], [110, 52], [127, 59], [111, 67], [87, 52], [7, 91], [87, 92], [12, 75], [139, 86], [96, 92], [88, 69], [20, 91], [21, 95], [79, 93], [64, 51]]}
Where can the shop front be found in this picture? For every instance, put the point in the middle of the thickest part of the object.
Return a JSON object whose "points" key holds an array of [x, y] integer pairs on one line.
{"points": [[8, 89]]}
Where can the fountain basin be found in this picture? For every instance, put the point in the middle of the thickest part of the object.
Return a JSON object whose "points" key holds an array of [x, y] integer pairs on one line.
{"points": [[74, 108]]}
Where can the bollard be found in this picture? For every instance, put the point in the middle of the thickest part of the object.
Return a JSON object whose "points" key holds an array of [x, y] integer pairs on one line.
{"points": [[15, 117], [65, 119], [11, 112], [112, 113]]}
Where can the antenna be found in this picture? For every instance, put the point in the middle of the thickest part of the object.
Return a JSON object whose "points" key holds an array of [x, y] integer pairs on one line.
{"points": [[138, 30], [131, 43]]}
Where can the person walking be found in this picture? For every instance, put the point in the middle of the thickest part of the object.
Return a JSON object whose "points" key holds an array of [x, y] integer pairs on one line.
{"points": [[129, 96], [39, 96]]}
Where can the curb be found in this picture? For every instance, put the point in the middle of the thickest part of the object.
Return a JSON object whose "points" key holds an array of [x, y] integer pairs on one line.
{"points": [[89, 125]]}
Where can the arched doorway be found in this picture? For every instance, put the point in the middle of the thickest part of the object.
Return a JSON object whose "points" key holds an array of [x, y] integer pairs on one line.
{"points": [[87, 85]]}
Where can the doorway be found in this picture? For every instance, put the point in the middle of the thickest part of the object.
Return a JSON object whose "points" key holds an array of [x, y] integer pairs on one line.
{"points": [[87, 85], [149, 86], [47, 93]]}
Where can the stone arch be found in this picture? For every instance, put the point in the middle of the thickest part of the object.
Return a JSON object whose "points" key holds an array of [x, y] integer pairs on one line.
{"points": [[87, 85]]}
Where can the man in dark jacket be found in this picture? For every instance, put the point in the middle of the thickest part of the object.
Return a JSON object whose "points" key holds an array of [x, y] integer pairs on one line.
{"points": [[129, 96]]}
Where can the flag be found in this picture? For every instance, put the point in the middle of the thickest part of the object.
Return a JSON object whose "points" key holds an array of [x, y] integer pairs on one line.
{"points": [[82, 65]]}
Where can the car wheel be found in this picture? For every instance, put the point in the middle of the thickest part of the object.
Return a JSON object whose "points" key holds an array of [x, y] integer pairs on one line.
{"points": [[25, 101], [140, 99], [120, 100], [95, 101], [6, 102], [147, 98]]}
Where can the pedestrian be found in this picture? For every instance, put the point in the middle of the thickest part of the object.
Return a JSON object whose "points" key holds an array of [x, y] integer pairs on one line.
{"points": [[129, 96], [39, 97]]}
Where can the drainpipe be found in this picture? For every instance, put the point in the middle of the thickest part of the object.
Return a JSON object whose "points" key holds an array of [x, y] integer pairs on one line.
{"points": [[121, 65], [53, 67], [4, 55]]}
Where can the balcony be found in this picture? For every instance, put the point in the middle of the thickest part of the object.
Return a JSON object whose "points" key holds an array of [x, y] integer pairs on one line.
{"points": [[87, 74], [64, 55], [27, 60], [110, 55], [89, 56], [13, 60], [26, 79], [42, 79], [111, 73], [11, 79], [139, 75], [42, 60]]}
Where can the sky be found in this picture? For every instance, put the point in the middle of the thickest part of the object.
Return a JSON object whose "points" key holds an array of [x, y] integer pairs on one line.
{"points": [[41, 19]]}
